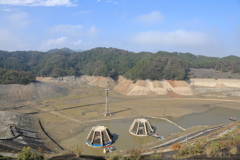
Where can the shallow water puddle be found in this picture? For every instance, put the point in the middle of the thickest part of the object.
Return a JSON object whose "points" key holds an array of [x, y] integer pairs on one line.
{"points": [[124, 140], [213, 116]]}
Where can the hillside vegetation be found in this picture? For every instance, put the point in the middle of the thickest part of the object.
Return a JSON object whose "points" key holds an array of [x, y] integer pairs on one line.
{"points": [[108, 62], [15, 77]]}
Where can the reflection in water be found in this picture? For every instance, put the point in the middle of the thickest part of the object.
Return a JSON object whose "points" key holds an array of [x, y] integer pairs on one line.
{"points": [[95, 151], [141, 140]]}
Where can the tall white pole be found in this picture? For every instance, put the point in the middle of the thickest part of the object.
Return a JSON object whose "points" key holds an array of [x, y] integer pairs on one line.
{"points": [[107, 112]]}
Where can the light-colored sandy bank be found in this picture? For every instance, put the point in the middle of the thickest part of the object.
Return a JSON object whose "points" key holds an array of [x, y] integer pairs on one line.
{"points": [[186, 87], [147, 87], [218, 83]]}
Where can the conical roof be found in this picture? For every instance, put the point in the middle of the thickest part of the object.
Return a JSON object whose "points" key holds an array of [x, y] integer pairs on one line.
{"points": [[141, 127], [99, 136]]}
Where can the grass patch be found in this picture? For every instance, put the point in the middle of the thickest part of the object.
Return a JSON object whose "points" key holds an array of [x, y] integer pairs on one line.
{"points": [[196, 148], [135, 154], [116, 156], [233, 150], [75, 149], [27, 154], [212, 149], [155, 156], [5, 157]]}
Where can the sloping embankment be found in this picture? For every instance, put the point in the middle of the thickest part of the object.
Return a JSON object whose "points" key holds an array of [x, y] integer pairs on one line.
{"points": [[148, 87], [187, 87], [17, 131], [80, 81], [217, 83], [37, 90]]}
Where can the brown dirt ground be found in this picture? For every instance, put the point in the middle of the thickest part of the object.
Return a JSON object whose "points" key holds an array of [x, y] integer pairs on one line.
{"points": [[172, 94], [176, 83], [220, 86], [141, 83], [157, 84]]}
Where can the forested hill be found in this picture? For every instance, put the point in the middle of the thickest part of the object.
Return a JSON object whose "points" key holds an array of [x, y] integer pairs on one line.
{"points": [[108, 62]]}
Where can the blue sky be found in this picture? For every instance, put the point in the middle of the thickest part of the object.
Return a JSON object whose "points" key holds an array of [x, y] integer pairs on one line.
{"points": [[201, 27]]}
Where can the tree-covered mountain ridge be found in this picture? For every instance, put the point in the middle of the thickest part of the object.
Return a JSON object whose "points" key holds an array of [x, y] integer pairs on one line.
{"points": [[108, 62]]}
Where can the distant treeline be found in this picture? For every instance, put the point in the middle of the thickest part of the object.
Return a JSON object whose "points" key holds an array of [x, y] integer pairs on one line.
{"points": [[109, 62]]}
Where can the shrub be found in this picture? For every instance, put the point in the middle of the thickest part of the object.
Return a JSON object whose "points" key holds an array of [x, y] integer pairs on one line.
{"points": [[155, 156], [190, 150], [135, 154], [77, 150], [183, 152], [116, 157], [212, 149], [233, 150], [26, 154], [176, 146]]}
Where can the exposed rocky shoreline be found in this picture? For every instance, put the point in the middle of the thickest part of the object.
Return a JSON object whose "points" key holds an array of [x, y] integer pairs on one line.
{"points": [[69, 100]]}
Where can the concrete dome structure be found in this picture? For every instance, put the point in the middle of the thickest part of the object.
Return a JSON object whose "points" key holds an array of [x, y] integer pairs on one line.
{"points": [[141, 127], [99, 136]]}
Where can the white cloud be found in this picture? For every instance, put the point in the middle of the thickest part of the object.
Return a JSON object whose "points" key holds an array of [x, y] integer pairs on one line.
{"points": [[66, 29], [71, 36], [47, 3], [199, 43], [77, 42], [110, 1], [57, 41], [18, 19], [154, 16], [10, 41], [174, 38], [74, 31], [54, 43], [7, 10]]}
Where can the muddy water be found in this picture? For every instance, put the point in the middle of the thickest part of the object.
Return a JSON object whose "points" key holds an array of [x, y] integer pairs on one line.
{"points": [[211, 117], [124, 140]]}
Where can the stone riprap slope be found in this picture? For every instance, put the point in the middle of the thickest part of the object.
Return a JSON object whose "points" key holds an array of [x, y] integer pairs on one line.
{"points": [[37, 90], [8, 120], [81, 81], [15, 119], [17, 131]]}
